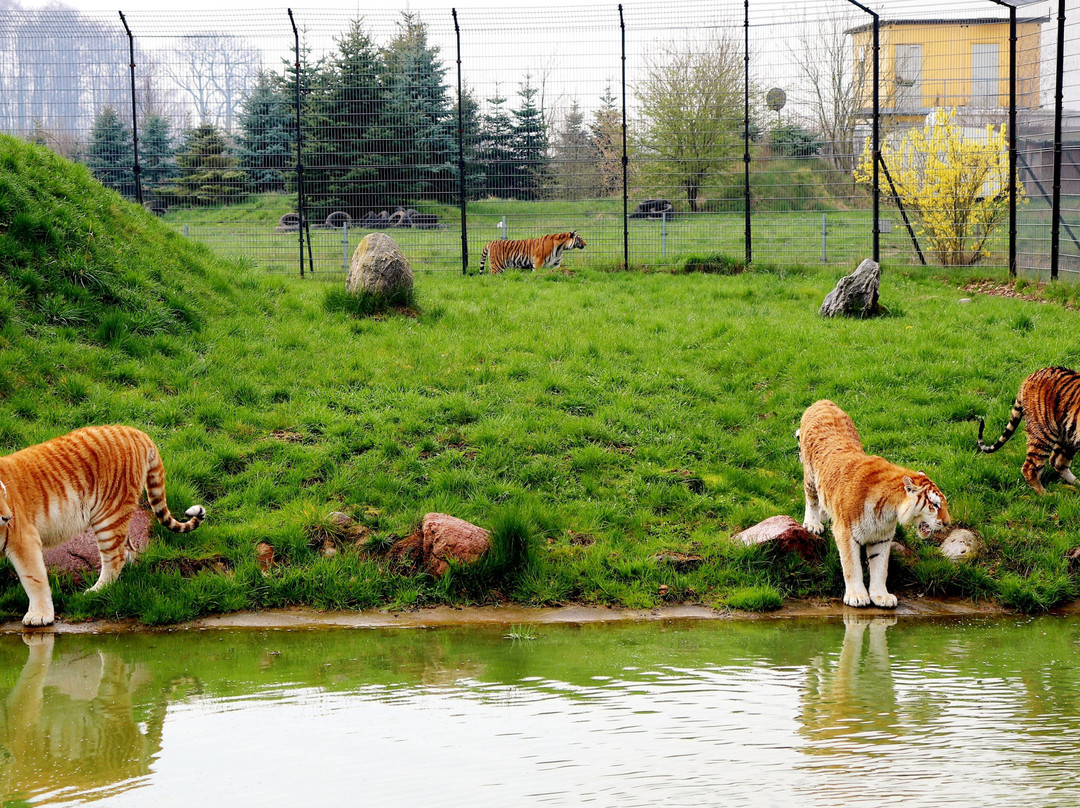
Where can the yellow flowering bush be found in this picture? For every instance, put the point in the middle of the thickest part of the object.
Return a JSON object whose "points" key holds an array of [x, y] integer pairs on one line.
{"points": [[956, 187]]}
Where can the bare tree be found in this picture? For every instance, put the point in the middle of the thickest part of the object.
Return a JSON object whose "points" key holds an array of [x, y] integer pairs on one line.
{"points": [[216, 71], [838, 82]]}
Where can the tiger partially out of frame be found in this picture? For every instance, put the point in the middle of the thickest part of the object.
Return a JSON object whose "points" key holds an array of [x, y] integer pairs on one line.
{"points": [[532, 253], [90, 478], [1050, 401]]}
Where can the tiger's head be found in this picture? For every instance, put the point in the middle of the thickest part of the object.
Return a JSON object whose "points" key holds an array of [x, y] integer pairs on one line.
{"points": [[576, 242], [924, 504]]}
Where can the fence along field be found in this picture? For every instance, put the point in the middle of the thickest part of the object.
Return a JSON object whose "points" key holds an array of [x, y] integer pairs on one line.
{"points": [[511, 123]]}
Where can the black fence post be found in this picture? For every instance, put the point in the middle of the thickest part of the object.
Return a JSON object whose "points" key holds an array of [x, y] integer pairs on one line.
{"points": [[625, 159], [136, 168], [461, 153], [1055, 232], [1012, 134], [747, 232], [1012, 141], [299, 153], [875, 128]]}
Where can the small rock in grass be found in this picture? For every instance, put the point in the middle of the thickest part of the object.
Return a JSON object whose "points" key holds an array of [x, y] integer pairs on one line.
{"points": [[960, 544], [786, 533]]}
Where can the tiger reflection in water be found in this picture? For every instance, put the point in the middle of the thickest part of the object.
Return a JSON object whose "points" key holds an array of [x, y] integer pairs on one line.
{"points": [[853, 692], [69, 722]]}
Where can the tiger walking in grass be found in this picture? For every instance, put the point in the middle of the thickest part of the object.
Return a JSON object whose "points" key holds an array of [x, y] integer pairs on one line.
{"points": [[533, 253], [1050, 401], [90, 478]]}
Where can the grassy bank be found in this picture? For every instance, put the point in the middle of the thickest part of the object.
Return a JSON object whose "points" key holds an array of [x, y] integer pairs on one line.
{"points": [[603, 422]]}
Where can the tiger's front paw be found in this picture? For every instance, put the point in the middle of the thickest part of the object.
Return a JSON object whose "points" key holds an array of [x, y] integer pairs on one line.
{"points": [[885, 600], [815, 527], [857, 599], [38, 618]]}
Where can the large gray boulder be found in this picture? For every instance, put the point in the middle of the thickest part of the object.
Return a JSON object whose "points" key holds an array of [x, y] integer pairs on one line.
{"points": [[855, 295], [379, 267]]}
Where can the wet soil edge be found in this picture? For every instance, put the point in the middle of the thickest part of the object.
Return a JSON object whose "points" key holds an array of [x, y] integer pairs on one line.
{"points": [[304, 618]]}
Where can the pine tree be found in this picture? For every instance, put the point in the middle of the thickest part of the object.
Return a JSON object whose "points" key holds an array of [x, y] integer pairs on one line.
{"points": [[265, 145], [421, 116], [110, 155], [349, 159], [574, 156], [208, 173], [605, 133], [494, 150], [471, 141], [157, 157], [529, 142]]}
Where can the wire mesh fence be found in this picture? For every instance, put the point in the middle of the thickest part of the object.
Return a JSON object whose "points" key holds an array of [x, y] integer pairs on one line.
{"points": [[658, 132]]}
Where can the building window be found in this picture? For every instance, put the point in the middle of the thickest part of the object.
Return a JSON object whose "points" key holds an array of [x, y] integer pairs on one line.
{"points": [[985, 75], [908, 78]]}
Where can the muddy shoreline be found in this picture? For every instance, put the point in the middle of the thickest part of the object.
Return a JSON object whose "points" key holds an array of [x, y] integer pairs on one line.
{"points": [[440, 616]]}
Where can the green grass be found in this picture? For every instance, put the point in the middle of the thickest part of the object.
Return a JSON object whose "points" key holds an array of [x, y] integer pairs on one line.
{"points": [[593, 421]]}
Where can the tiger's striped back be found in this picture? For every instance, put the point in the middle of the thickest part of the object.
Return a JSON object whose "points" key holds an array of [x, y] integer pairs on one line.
{"points": [[533, 253], [1050, 401], [90, 478]]}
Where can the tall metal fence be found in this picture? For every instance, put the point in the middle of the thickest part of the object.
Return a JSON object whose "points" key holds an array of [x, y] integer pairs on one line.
{"points": [[819, 131]]}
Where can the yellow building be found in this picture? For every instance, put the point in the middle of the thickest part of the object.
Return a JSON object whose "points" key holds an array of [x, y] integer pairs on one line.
{"points": [[960, 63]]}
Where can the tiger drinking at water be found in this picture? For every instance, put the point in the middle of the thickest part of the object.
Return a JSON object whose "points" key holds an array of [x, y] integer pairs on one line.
{"points": [[865, 496]]}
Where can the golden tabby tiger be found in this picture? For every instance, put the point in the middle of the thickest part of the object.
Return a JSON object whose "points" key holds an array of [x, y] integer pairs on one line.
{"points": [[533, 253], [89, 478], [865, 496]]}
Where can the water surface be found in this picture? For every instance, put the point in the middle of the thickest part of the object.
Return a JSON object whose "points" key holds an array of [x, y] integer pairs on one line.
{"points": [[797, 713]]}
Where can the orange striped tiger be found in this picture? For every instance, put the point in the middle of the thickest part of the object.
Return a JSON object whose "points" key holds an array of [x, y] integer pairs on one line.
{"points": [[533, 253], [1050, 400], [89, 478], [865, 496]]}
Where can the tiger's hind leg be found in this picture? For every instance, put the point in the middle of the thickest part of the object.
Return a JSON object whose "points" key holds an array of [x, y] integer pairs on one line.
{"points": [[111, 531], [812, 521], [1038, 452], [1061, 460]]}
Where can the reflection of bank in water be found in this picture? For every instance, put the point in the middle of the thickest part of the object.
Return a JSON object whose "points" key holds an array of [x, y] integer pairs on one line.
{"points": [[851, 692], [68, 726]]}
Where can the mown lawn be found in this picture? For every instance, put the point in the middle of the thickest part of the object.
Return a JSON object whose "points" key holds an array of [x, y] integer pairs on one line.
{"points": [[594, 420]]}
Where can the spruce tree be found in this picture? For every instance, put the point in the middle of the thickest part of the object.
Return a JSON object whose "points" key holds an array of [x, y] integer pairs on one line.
{"points": [[421, 116], [349, 159], [266, 143], [208, 173], [471, 141], [574, 156], [529, 143], [494, 150], [110, 155], [605, 133], [157, 157]]}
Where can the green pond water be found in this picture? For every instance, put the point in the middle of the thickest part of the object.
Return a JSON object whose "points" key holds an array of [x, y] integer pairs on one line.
{"points": [[795, 713]]}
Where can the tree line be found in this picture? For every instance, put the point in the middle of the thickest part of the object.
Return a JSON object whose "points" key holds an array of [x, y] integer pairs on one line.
{"points": [[378, 127]]}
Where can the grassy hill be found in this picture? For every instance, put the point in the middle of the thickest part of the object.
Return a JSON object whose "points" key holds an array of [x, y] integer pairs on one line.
{"points": [[602, 423]]}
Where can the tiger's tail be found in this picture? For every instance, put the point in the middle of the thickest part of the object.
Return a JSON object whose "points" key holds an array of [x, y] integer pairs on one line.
{"points": [[155, 493], [483, 258], [1015, 418]]}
